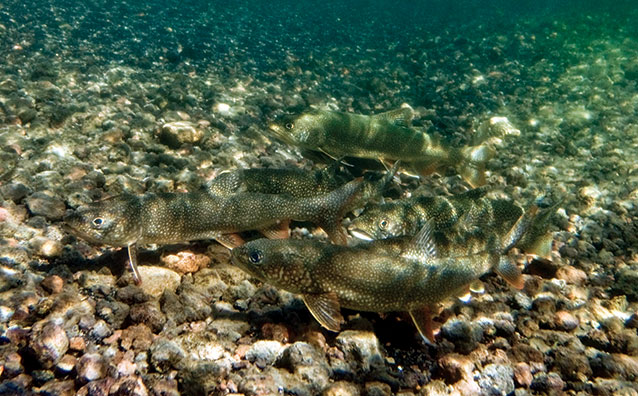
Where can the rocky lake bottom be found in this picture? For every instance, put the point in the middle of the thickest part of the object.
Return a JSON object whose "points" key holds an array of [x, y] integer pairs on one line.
{"points": [[143, 98]]}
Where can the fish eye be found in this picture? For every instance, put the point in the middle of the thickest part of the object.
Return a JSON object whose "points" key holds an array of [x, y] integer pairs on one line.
{"points": [[383, 224], [255, 257], [97, 222], [289, 125]]}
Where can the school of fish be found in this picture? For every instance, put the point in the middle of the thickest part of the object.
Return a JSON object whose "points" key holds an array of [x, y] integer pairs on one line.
{"points": [[402, 255]]}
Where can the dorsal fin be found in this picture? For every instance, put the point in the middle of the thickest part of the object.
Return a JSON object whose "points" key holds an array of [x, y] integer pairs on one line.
{"points": [[422, 247], [399, 117], [325, 308]]}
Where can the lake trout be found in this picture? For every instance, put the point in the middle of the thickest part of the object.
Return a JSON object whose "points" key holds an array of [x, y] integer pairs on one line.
{"points": [[128, 220], [384, 136], [372, 277], [462, 221]]}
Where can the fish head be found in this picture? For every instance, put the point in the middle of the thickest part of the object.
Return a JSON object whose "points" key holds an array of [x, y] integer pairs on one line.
{"points": [[285, 264], [379, 222], [112, 221], [304, 130]]}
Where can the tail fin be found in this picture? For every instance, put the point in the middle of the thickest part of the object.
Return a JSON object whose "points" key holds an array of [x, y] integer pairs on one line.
{"points": [[472, 164], [538, 240], [330, 208]]}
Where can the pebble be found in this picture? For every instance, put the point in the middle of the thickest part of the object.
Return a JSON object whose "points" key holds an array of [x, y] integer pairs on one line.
{"points": [[185, 262], [377, 388], [175, 134], [497, 379], [299, 354], [565, 321], [157, 279], [165, 354], [341, 388], [66, 364], [264, 353], [454, 367], [57, 388], [46, 247], [571, 275], [361, 349], [90, 367], [49, 343], [52, 284], [523, 374], [465, 335], [550, 383], [47, 205], [14, 191], [148, 313], [100, 330], [573, 366]]}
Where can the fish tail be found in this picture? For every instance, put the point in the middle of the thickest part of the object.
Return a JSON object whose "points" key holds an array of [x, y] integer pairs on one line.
{"points": [[472, 163], [331, 207]]}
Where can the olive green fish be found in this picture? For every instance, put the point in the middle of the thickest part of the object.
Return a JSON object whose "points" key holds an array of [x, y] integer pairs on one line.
{"points": [[461, 223], [128, 220], [385, 136], [372, 276]]}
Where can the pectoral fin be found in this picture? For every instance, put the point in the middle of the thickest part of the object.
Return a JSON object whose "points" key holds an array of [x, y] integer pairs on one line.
{"points": [[279, 230], [422, 247], [132, 259], [510, 272], [230, 241], [326, 309], [422, 318]]}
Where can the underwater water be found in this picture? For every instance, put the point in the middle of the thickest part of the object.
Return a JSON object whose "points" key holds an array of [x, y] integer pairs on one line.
{"points": [[98, 98]]}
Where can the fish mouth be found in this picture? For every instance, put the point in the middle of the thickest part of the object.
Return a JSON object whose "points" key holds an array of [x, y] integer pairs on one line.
{"points": [[279, 132], [360, 234]]}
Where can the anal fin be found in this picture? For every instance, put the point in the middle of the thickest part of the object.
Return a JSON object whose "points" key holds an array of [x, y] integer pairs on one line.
{"points": [[326, 309], [230, 241], [280, 230], [132, 259], [422, 318]]}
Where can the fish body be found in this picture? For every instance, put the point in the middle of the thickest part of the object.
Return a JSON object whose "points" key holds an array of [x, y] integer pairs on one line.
{"points": [[372, 276], [128, 220], [462, 223], [292, 181], [385, 136]]}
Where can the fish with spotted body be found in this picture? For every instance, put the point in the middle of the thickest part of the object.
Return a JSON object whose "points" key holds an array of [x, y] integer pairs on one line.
{"points": [[378, 276], [215, 213], [386, 136]]}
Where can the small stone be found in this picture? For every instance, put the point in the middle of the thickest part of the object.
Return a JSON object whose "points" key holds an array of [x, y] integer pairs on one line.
{"points": [[128, 386], [12, 365], [631, 323], [96, 388], [57, 388], [137, 337], [66, 364], [573, 366], [100, 330], [45, 204], [52, 284], [565, 321], [341, 388], [14, 191], [275, 331], [46, 247], [174, 134], [264, 353], [571, 275], [454, 367], [523, 374], [41, 377], [185, 262], [157, 279], [550, 383], [90, 367], [465, 336], [299, 354], [497, 379], [77, 344], [148, 313], [49, 344], [377, 388], [361, 348], [165, 355]]}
